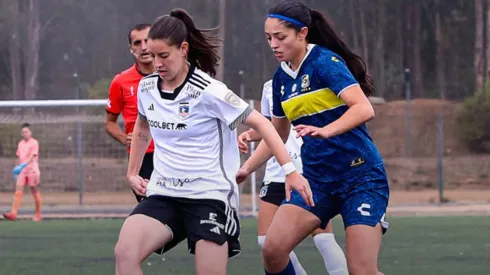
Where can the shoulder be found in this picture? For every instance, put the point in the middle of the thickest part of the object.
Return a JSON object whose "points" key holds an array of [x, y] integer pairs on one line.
{"points": [[34, 141], [323, 57], [148, 83], [209, 85], [122, 76]]}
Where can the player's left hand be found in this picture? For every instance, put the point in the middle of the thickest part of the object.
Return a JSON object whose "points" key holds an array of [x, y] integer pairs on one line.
{"points": [[308, 130]]}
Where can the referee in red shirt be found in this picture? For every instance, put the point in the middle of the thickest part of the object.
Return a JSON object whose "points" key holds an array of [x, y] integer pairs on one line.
{"points": [[122, 96]]}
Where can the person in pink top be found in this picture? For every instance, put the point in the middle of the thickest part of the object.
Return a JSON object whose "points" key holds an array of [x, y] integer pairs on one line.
{"points": [[26, 172]]}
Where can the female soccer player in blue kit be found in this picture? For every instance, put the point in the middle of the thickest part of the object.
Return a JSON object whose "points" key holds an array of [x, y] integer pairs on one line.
{"points": [[321, 87]]}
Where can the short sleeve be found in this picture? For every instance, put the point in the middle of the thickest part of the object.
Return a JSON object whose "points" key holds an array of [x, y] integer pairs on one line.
{"points": [[225, 105], [115, 100], [266, 101], [335, 74], [277, 110], [140, 97], [35, 148]]}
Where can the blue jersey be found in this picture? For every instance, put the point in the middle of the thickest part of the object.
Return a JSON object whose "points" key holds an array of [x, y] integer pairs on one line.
{"points": [[311, 96]]}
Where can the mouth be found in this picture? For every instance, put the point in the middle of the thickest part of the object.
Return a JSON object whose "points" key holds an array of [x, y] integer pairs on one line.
{"points": [[162, 73], [278, 54], [145, 55]]}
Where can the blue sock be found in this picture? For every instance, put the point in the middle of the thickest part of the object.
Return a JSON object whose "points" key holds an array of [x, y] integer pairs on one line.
{"points": [[289, 270]]}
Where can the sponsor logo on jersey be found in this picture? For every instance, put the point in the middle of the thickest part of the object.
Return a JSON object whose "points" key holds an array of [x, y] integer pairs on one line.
{"points": [[146, 86], [233, 99], [192, 92], [167, 125]]}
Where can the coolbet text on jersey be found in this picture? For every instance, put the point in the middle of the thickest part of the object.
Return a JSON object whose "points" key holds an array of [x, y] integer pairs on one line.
{"points": [[123, 98], [199, 118]]}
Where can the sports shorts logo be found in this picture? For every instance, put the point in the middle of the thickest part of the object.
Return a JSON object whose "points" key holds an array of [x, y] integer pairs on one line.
{"points": [[364, 209], [263, 191]]}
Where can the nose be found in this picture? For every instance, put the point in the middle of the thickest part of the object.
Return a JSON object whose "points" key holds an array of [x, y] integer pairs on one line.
{"points": [[144, 45], [157, 62], [273, 43]]}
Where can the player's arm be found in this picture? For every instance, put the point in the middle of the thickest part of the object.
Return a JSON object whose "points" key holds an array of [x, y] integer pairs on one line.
{"points": [[263, 153], [139, 145], [113, 129], [341, 81], [113, 109]]}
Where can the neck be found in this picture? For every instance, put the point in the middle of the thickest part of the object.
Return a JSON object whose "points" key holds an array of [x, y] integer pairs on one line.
{"points": [[297, 61], [177, 80], [145, 68]]}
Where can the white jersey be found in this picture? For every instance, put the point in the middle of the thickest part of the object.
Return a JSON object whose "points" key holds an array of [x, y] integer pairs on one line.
{"points": [[194, 130], [273, 170]]}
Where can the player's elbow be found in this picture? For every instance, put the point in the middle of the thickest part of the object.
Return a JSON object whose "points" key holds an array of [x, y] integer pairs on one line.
{"points": [[366, 112]]}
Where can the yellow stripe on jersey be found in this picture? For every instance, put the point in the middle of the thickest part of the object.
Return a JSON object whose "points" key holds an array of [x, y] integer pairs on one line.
{"points": [[311, 103]]}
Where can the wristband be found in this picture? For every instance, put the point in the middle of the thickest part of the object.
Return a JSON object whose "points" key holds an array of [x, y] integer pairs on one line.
{"points": [[288, 168]]}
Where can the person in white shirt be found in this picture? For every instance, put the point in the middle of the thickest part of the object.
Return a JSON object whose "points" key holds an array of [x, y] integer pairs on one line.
{"points": [[192, 193], [272, 193]]}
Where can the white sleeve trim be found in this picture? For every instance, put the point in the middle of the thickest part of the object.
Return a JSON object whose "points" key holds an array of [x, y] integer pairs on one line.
{"points": [[352, 85]]}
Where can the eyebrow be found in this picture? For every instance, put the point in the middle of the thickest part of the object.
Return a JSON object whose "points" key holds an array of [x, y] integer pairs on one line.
{"points": [[160, 53]]}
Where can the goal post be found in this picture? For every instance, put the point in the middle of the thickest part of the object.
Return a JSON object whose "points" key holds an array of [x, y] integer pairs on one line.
{"points": [[77, 156]]}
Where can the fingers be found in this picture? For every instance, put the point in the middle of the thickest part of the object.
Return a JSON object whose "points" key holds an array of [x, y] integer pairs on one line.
{"points": [[243, 140]]}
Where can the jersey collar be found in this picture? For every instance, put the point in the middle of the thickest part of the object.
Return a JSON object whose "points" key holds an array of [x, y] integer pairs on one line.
{"points": [[173, 96], [285, 67]]}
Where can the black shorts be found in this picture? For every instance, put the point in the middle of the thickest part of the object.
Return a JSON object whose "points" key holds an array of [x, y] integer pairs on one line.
{"points": [[145, 171], [273, 192], [194, 220]]}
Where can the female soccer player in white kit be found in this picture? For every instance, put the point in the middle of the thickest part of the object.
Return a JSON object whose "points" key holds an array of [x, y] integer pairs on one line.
{"points": [[192, 118], [272, 194]]}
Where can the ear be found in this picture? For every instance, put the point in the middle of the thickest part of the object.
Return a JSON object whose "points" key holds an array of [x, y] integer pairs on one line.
{"points": [[130, 50], [303, 33], [184, 48]]}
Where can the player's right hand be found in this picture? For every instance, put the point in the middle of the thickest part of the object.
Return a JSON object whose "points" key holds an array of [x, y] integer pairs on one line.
{"points": [[129, 137], [17, 169], [243, 140], [138, 184], [296, 181]]}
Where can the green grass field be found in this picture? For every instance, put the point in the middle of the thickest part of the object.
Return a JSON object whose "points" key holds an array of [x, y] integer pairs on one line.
{"points": [[414, 245]]}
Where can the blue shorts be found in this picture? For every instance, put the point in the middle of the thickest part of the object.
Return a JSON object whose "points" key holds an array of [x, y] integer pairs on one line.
{"points": [[364, 201]]}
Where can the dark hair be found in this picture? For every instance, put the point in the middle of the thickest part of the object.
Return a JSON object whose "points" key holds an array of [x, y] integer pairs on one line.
{"points": [[25, 125], [138, 27], [179, 27], [320, 32]]}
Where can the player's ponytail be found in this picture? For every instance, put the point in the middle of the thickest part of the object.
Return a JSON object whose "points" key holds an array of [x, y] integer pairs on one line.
{"points": [[296, 15], [179, 27], [321, 33]]}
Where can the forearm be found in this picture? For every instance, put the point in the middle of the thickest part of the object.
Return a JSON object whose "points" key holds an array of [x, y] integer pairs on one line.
{"points": [[352, 118], [140, 142], [260, 156], [113, 129]]}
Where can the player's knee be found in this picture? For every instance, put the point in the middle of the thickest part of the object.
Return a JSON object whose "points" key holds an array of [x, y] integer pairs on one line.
{"points": [[123, 253], [359, 266], [273, 250]]}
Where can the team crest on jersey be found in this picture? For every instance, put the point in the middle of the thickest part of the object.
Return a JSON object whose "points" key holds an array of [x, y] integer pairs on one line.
{"points": [[305, 83], [184, 109]]}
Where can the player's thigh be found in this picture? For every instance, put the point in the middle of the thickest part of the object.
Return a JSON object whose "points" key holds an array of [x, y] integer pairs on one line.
{"points": [[149, 227], [21, 181], [271, 195], [363, 211], [328, 229], [33, 179], [211, 258], [211, 221], [299, 219]]}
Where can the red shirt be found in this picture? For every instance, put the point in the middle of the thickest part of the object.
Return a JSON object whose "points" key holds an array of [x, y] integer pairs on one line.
{"points": [[122, 98]]}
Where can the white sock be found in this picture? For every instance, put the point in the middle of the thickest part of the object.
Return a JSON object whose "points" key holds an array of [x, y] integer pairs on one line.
{"points": [[298, 269], [332, 253]]}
